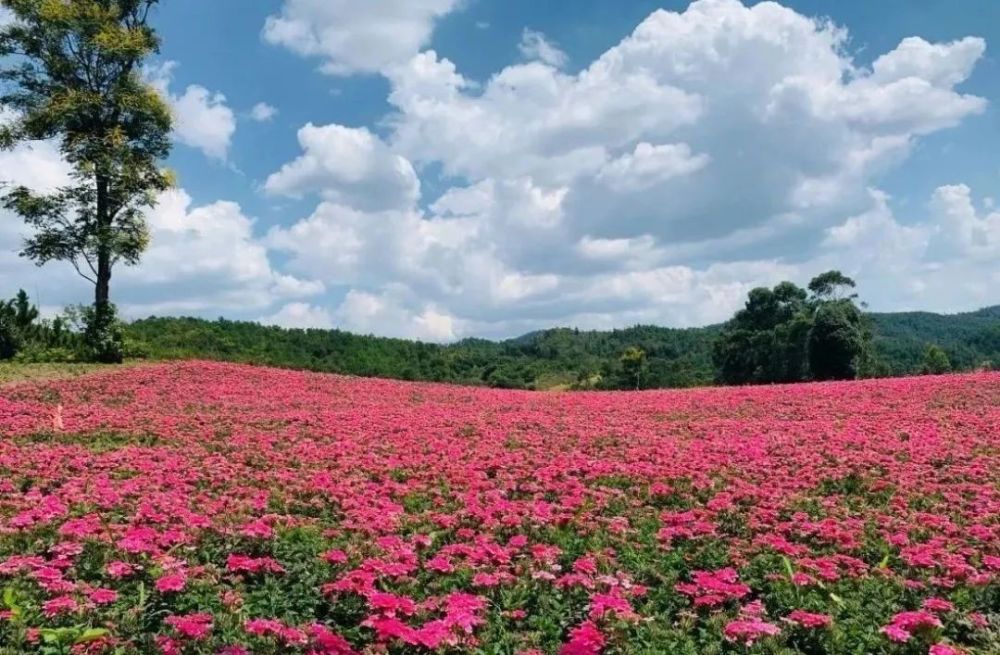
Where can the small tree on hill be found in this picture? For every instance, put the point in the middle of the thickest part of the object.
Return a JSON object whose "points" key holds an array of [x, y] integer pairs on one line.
{"points": [[633, 362], [17, 321], [936, 361], [71, 70]]}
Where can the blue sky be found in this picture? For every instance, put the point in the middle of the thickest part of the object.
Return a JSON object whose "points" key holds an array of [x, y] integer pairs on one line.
{"points": [[483, 168]]}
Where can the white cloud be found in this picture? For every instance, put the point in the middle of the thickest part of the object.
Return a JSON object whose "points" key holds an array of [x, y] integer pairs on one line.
{"points": [[299, 315], [356, 37], [347, 165], [202, 119], [649, 165], [972, 234], [263, 112], [204, 258], [201, 259], [38, 166], [534, 45], [384, 314], [708, 152]]}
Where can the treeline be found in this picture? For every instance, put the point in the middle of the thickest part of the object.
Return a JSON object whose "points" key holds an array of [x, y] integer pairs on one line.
{"points": [[772, 339], [558, 358]]}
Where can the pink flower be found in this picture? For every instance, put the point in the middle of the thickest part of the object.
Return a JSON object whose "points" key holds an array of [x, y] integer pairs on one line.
{"points": [[244, 564], [896, 633], [192, 626], [335, 556], [810, 619], [59, 605], [171, 582], [585, 639], [749, 631], [943, 649], [937, 605], [119, 569], [604, 604], [257, 529], [103, 596], [326, 642], [439, 564], [233, 650]]}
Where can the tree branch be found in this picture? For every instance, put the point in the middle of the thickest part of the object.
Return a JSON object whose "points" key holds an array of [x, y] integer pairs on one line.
{"points": [[80, 273]]}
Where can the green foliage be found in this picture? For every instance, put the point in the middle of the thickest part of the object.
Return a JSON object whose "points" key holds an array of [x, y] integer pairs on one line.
{"points": [[558, 358], [71, 71], [566, 358], [935, 361], [10, 336], [27, 339], [831, 285], [766, 341], [103, 334], [633, 362], [785, 334], [836, 341], [970, 340]]}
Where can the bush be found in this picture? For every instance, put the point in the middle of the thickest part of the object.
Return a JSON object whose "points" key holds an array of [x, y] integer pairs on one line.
{"points": [[936, 361], [10, 336], [103, 334], [37, 353]]}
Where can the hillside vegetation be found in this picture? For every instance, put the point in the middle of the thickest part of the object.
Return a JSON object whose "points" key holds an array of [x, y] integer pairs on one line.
{"points": [[556, 358]]}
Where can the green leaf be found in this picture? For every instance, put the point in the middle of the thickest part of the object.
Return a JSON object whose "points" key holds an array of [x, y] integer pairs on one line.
{"points": [[91, 634], [10, 600], [788, 566]]}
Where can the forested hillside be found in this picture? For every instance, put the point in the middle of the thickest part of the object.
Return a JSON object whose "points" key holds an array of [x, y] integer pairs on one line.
{"points": [[556, 358], [970, 340]]}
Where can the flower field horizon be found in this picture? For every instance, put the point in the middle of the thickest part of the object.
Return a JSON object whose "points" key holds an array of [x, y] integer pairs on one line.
{"points": [[198, 507]]}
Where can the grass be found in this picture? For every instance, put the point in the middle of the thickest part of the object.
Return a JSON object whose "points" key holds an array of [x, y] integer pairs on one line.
{"points": [[11, 372]]}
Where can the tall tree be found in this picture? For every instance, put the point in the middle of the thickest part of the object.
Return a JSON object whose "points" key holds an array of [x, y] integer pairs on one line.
{"points": [[836, 341], [71, 71], [832, 285], [766, 340]]}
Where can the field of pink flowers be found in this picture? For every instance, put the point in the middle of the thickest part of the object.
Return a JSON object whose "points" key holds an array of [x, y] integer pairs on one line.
{"points": [[214, 508]]}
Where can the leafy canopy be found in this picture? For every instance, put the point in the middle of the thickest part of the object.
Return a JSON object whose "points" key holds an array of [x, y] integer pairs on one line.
{"points": [[72, 73], [787, 334]]}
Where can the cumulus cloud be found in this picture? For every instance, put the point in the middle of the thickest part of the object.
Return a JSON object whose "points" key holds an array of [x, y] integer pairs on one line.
{"points": [[971, 233], [347, 165], [386, 314], [710, 151], [202, 119], [355, 37], [202, 258], [263, 112], [534, 45], [299, 315]]}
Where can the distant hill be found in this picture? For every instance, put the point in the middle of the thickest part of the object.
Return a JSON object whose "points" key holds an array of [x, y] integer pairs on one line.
{"points": [[970, 339], [545, 359]]}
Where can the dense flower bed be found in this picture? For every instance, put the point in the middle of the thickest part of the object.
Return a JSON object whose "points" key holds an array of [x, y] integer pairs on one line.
{"points": [[212, 508]]}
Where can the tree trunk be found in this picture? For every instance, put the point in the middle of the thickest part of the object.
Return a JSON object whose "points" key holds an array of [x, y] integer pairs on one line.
{"points": [[102, 286]]}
